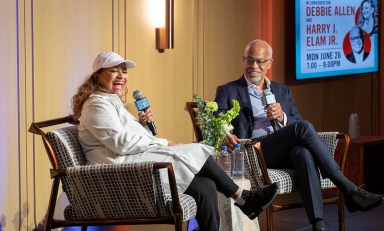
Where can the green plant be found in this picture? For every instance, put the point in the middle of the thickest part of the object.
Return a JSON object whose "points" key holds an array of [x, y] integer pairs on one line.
{"points": [[214, 129]]}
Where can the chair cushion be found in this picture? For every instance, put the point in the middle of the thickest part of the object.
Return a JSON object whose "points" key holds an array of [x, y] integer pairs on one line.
{"points": [[188, 206], [288, 180]]}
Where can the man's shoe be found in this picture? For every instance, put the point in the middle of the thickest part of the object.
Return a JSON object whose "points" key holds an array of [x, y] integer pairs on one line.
{"points": [[321, 229], [361, 200], [255, 203], [318, 225]]}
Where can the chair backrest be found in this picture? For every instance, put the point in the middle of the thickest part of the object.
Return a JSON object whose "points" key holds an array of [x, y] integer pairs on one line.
{"points": [[66, 146], [191, 108], [68, 152], [330, 139], [62, 146]]}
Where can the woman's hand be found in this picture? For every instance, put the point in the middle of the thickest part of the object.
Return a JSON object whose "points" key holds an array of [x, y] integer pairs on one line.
{"points": [[146, 117], [172, 143]]}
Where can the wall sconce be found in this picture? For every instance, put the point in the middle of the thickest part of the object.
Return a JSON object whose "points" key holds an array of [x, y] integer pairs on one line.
{"points": [[164, 33]]}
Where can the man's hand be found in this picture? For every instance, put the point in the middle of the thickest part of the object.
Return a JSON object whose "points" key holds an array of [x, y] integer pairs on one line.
{"points": [[146, 117], [274, 112], [230, 141]]}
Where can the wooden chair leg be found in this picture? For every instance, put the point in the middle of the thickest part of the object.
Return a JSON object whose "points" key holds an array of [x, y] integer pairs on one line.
{"points": [[52, 204], [340, 206], [178, 223], [269, 216]]}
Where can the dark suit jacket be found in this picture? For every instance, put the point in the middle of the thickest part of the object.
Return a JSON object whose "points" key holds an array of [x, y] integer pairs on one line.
{"points": [[238, 90], [351, 56]]}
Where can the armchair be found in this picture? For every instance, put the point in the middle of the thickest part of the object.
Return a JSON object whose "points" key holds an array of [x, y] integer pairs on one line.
{"points": [[260, 175], [110, 194]]}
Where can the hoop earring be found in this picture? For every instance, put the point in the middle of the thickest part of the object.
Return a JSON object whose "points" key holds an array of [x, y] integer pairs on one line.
{"points": [[126, 91]]}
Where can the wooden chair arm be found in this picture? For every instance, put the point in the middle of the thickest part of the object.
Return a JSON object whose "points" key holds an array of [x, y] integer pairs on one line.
{"points": [[345, 149]]}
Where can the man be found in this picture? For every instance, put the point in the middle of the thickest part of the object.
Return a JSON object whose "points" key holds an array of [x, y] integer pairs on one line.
{"points": [[295, 144], [358, 54]]}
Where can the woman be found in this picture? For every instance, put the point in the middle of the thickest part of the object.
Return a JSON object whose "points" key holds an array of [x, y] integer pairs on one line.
{"points": [[368, 17], [109, 134]]}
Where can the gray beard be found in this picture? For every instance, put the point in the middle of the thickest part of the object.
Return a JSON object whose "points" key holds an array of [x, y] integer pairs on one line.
{"points": [[255, 80]]}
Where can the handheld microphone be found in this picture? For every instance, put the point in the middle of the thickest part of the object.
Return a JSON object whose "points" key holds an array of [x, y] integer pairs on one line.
{"points": [[268, 99], [142, 104]]}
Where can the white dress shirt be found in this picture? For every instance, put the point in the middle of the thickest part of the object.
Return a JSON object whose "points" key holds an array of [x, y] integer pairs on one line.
{"points": [[262, 124]]}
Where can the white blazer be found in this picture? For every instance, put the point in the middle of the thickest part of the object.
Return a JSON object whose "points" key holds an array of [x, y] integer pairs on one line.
{"points": [[109, 134]]}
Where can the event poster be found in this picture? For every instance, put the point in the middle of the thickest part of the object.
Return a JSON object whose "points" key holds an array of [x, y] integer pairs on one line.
{"points": [[336, 37]]}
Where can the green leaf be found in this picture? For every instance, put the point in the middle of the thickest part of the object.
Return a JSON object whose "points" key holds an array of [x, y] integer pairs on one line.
{"points": [[212, 127]]}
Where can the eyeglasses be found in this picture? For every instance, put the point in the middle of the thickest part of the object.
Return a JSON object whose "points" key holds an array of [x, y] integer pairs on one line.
{"points": [[260, 62], [355, 39]]}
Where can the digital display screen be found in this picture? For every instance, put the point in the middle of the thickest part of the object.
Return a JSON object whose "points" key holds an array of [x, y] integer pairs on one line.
{"points": [[336, 37], [142, 104]]}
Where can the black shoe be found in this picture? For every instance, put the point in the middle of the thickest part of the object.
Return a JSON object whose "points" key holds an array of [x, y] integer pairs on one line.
{"points": [[321, 229], [318, 225], [255, 203], [361, 200]]}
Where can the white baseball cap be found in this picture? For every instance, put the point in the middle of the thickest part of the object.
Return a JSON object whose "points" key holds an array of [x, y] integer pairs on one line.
{"points": [[110, 59]]}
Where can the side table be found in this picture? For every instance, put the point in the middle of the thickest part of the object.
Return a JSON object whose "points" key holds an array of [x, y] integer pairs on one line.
{"points": [[232, 218], [365, 162]]}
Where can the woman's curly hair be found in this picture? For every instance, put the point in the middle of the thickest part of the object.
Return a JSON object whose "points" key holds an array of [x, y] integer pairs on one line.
{"points": [[89, 87]]}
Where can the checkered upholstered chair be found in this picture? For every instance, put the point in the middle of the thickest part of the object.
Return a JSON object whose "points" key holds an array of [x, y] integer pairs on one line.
{"points": [[110, 194], [260, 175]]}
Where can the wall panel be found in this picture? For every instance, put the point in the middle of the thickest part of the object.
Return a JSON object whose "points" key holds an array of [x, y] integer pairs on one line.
{"points": [[25, 110], [47, 49], [227, 28], [164, 78], [10, 155], [67, 35]]}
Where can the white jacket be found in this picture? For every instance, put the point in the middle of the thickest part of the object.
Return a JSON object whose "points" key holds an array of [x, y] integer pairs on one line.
{"points": [[109, 134]]}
